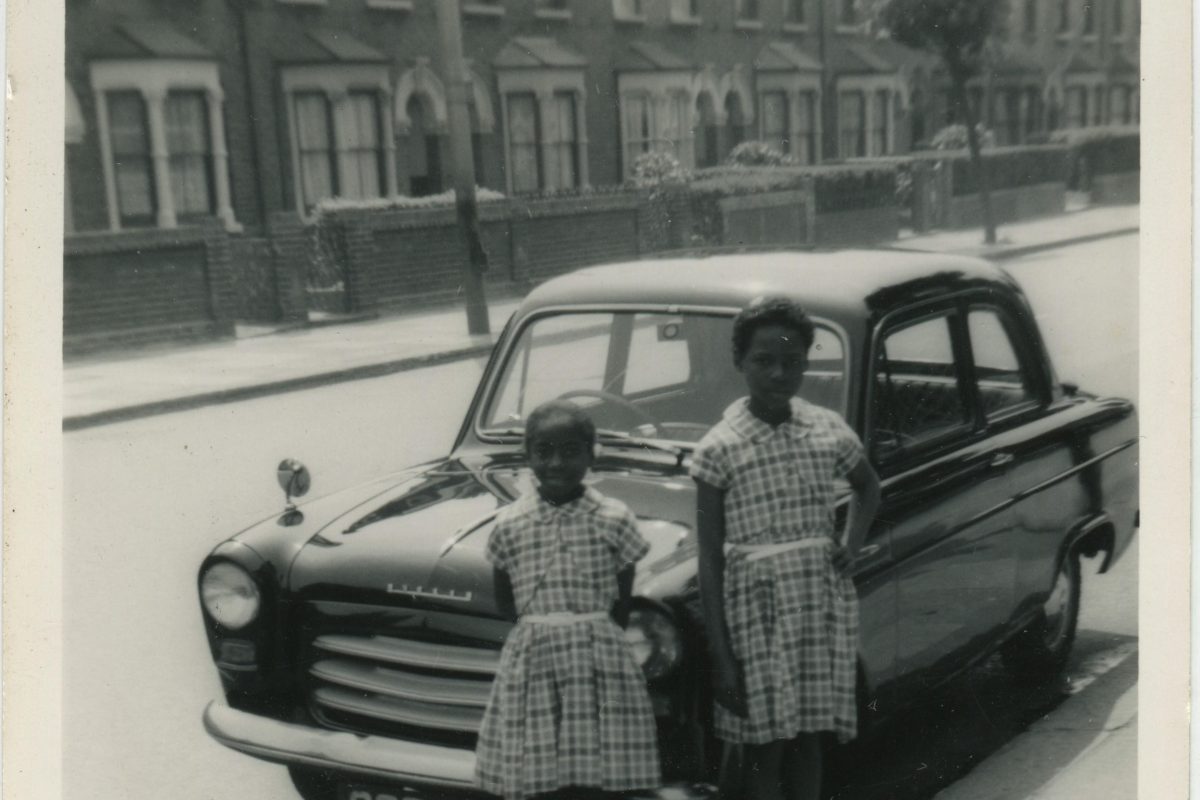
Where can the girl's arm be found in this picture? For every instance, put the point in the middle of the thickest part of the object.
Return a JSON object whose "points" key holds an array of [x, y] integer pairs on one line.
{"points": [[864, 503], [504, 593], [620, 613], [710, 533]]}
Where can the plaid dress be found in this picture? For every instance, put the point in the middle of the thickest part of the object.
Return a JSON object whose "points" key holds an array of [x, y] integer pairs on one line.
{"points": [[792, 618], [569, 705]]}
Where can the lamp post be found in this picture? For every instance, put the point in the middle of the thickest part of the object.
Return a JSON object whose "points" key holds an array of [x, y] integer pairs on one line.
{"points": [[463, 165]]}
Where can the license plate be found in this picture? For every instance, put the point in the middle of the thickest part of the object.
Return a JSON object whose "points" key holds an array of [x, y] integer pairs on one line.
{"points": [[359, 791]]}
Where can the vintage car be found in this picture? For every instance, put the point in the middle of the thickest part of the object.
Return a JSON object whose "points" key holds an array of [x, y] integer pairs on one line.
{"points": [[356, 636]]}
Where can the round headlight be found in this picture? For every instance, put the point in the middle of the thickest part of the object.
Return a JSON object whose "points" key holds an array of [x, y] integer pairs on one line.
{"points": [[654, 640], [230, 595]]}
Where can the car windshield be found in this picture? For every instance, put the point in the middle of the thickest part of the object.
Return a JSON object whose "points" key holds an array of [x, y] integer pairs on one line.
{"points": [[640, 374]]}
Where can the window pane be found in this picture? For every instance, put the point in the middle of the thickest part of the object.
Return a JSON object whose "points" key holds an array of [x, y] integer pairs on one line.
{"points": [[132, 167], [658, 353], [315, 143], [804, 139], [879, 122], [637, 128], [775, 121], [190, 156], [793, 11], [564, 107], [362, 157], [997, 370], [917, 396], [523, 142], [850, 124]]}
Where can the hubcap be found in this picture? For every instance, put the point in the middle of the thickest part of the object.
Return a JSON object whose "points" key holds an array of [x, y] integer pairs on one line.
{"points": [[1055, 609]]}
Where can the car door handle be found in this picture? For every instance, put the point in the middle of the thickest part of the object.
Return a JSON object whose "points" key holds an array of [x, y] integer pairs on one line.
{"points": [[868, 550], [1002, 459]]}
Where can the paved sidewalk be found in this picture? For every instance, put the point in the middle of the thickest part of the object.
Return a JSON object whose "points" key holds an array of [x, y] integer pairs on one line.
{"points": [[1086, 748], [124, 386]]}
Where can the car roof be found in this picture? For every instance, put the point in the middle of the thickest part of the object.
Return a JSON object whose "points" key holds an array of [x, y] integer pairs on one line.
{"points": [[845, 283]]}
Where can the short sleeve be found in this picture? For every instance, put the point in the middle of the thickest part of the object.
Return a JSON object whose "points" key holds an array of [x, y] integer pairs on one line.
{"points": [[499, 548], [849, 447], [628, 544], [710, 464]]}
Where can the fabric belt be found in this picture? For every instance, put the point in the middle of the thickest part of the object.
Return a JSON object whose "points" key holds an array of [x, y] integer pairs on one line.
{"points": [[564, 617], [753, 552]]}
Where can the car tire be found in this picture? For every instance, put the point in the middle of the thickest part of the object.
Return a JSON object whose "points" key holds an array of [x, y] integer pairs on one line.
{"points": [[314, 784], [1039, 652]]}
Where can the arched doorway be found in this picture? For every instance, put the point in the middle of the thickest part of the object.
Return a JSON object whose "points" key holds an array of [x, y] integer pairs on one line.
{"points": [[424, 154], [707, 132], [735, 121]]}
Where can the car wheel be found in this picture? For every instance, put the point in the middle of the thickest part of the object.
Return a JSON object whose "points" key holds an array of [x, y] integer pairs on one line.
{"points": [[314, 784], [1039, 652]]}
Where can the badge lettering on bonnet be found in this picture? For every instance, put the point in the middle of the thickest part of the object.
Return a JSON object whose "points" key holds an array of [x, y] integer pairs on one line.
{"points": [[432, 592]]}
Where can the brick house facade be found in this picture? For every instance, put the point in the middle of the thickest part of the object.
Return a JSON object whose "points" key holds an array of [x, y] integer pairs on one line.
{"points": [[239, 109]]}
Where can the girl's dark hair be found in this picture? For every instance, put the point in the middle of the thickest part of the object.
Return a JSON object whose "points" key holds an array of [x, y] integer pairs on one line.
{"points": [[775, 310], [578, 417]]}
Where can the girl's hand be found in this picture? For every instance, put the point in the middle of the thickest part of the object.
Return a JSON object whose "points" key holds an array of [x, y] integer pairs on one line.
{"points": [[843, 558], [729, 692]]}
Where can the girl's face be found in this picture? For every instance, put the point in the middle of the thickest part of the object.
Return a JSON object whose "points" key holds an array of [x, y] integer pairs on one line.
{"points": [[560, 456], [774, 366]]}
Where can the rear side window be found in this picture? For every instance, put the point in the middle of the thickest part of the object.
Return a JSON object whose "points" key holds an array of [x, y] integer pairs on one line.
{"points": [[1002, 384], [917, 394]]}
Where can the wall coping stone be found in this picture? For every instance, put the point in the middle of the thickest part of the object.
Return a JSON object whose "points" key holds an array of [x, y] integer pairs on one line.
{"points": [[99, 242]]}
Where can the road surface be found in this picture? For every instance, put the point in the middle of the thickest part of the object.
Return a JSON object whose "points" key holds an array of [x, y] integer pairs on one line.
{"points": [[146, 500]]}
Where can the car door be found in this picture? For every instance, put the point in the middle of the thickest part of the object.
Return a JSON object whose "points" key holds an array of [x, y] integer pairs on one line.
{"points": [[944, 495], [1014, 397]]}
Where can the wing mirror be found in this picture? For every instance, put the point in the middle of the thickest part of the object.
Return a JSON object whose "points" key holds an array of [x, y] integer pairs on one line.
{"points": [[295, 481]]}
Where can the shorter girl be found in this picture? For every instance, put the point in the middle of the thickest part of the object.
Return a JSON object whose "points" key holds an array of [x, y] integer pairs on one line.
{"points": [[569, 712]]}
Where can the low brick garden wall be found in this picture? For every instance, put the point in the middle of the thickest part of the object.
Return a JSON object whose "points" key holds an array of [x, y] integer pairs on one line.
{"points": [[135, 287]]}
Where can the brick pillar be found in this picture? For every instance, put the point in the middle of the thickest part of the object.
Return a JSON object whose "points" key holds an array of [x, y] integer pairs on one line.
{"points": [[290, 257], [361, 261], [222, 295]]}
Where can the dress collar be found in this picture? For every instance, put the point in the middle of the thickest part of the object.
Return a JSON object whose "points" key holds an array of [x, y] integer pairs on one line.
{"points": [[745, 424], [586, 503]]}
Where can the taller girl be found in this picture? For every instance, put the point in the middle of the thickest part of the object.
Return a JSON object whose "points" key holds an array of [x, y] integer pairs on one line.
{"points": [[779, 606]]}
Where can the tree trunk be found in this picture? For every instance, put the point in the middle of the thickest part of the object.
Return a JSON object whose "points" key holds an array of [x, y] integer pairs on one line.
{"points": [[958, 80]]}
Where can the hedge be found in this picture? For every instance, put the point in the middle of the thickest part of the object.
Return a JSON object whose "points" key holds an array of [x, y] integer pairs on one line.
{"points": [[1011, 167], [1107, 150], [838, 187]]}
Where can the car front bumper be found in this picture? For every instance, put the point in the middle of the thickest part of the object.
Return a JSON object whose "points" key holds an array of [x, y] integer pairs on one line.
{"points": [[391, 760]]}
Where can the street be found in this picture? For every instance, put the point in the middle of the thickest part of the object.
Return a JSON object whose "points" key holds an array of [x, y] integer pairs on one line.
{"points": [[146, 500]]}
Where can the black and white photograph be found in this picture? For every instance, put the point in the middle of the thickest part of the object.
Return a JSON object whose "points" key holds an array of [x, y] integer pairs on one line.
{"points": [[591, 399]]}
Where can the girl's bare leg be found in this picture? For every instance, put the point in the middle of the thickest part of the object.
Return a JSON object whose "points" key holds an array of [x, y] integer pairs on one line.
{"points": [[764, 771], [802, 767]]}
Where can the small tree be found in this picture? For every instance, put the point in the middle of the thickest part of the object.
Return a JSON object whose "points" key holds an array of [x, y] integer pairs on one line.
{"points": [[956, 31]]}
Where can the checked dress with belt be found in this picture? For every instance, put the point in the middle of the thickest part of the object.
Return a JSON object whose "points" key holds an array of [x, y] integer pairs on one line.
{"points": [[569, 705], [792, 617]]}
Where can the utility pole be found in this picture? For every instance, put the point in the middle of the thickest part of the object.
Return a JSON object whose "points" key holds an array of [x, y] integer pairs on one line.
{"points": [[463, 165]]}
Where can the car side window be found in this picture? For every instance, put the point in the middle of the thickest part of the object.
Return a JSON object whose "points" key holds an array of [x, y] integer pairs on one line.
{"points": [[1001, 383], [917, 393]]}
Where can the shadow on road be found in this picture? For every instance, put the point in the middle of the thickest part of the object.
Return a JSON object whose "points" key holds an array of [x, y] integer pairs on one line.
{"points": [[930, 747]]}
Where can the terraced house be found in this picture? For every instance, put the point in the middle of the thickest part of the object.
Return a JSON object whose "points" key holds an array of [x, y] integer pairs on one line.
{"points": [[229, 114]]}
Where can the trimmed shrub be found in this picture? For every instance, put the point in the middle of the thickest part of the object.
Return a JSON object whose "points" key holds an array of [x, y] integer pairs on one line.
{"points": [[1100, 151], [954, 137], [1010, 168], [332, 204], [651, 170], [758, 154]]}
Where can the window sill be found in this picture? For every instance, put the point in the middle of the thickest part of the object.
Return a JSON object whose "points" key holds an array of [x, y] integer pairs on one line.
{"points": [[748, 24], [1089, 38], [795, 27], [687, 22], [552, 13], [482, 10], [843, 28], [391, 5], [1063, 36], [301, 2], [630, 19]]}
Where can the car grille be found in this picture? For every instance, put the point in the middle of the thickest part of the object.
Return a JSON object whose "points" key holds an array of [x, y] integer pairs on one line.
{"points": [[400, 687]]}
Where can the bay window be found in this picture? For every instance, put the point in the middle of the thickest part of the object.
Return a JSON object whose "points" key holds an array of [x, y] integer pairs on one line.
{"points": [[851, 123], [132, 164], [190, 153], [523, 162], [879, 123], [775, 121]]}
